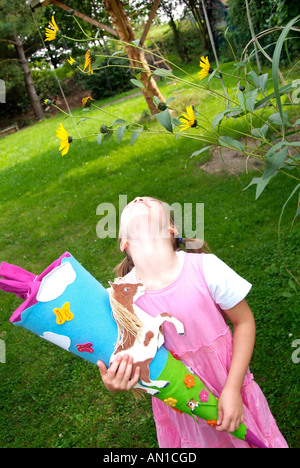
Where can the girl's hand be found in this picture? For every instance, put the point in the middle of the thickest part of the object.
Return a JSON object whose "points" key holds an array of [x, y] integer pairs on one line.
{"points": [[230, 411], [118, 377]]}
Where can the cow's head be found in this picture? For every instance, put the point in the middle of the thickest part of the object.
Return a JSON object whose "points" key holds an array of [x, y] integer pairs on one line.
{"points": [[127, 293]]}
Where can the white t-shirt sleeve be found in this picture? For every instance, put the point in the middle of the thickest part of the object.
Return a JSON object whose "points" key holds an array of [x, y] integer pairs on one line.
{"points": [[226, 287]]}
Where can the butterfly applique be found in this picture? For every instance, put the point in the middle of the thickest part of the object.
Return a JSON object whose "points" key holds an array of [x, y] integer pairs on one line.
{"points": [[64, 314], [85, 348]]}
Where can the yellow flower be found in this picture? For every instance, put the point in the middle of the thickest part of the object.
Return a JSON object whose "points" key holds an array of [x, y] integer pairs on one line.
{"points": [[86, 101], [170, 402], [206, 68], [71, 61], [65, 138], [51, 33], [88, 62], [188, 120]]}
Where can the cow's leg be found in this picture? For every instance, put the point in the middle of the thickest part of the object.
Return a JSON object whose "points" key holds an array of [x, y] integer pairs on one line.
{"points": [[165, 317], [150, 391], [145, 375], [155, 383]]}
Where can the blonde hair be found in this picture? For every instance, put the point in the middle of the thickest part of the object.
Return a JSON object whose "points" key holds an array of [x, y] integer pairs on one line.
{"points": [[190, 245]]}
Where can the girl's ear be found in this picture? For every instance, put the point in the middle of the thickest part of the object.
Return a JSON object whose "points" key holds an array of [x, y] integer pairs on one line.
{"points": [[123, 245], [173, 230]]}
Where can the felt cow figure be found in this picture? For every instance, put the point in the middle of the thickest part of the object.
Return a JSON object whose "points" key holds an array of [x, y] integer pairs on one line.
{"points": [[67, 306], [141, 335]]}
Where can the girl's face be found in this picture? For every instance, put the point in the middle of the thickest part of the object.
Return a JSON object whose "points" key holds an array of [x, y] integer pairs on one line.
{"points": [[144, 217]]}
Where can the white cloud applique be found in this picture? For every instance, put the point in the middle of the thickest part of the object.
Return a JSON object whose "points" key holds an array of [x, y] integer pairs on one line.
{"points": [[56, 282], [60, 340]]}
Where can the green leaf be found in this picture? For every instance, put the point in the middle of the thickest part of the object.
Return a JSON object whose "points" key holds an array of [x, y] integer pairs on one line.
{"points": [[283, 90], [276, 119], [135, 135], [156, 100], [81, 120], [260, 132], [260, 81], [196, 153], [176, 122], [229, 142], [260, 184], [164, 119], [170, 100], [163, 72], [119, 121], [279, 145], [241, 64], [275, 162], [136, 42], [118, 52], [276, 59], [120, 132], [219, 117], [263, 79], [137, 83], [99, 138], [247, 101], [211, 75]]}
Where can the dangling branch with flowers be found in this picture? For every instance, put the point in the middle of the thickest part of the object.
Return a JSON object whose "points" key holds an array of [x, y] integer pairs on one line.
{"points": [[268, 127]]}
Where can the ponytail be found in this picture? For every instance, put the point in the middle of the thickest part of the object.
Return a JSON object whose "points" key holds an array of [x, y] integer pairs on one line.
{"points": [[124, 267]]}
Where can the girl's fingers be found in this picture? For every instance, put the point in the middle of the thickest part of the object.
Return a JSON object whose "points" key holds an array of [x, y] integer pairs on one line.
{"points": [[118, 377], [102, 368]]}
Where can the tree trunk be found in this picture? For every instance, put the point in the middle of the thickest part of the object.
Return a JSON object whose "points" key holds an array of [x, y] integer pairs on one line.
{"points": [[28, 79], [136, 56], [182, 51]]}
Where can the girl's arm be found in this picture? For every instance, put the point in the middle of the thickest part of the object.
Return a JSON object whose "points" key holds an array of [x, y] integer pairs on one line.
{"points": [[230, 404]]}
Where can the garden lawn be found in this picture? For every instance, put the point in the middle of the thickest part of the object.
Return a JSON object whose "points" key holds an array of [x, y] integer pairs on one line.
{"points": [[49, 398]]}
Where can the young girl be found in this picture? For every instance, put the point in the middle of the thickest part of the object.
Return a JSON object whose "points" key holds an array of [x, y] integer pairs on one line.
{"points": [[199, 290]]}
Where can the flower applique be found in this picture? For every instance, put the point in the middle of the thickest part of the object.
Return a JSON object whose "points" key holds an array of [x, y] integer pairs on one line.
{"points": [[170, 402], [212, 423], [203, 396], [189, 381]]}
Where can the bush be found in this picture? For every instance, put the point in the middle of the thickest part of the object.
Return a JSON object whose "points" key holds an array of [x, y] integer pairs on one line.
{"points": [[108, 81]]}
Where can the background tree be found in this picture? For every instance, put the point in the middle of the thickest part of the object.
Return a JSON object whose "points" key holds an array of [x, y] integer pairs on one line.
{"points": [[216, 16], [16, 31], [136, 56], [264, 14], [169, 9]]}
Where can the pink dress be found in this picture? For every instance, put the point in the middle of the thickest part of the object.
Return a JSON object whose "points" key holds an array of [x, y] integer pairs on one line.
{"points": [[206, 348]]}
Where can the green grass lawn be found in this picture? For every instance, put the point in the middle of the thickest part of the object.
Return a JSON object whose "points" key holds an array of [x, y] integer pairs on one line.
{"points": [[48, 204]]}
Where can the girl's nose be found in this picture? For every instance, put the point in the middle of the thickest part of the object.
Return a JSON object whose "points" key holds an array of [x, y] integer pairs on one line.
{"points": [[138, 199]]}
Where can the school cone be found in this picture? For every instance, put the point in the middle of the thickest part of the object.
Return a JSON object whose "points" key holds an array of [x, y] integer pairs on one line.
{"points": [[186, 393], [67, 306]]}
